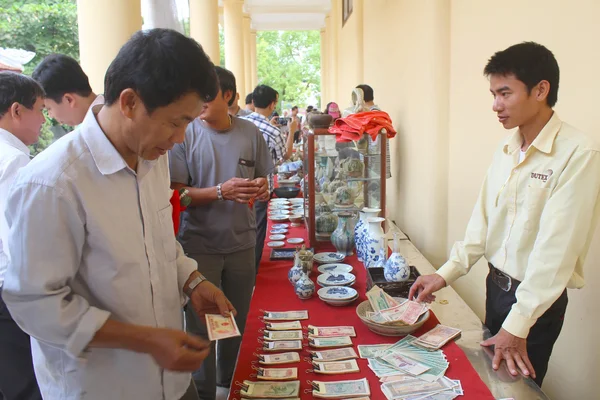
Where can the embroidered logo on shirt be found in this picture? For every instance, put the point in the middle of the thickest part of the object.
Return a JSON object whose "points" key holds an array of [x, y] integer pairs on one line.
{"points": [[542, 176]]}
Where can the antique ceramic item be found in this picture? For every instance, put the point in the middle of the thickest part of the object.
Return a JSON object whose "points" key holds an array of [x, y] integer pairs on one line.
{"points": [[304, 287], [295, 240], [319, 120], [380, 261], [354, 168], [276, 244], [396, 268], [326, 224], [335, 268], [328, 258], [373, 240], [344, 197], [343, 238], [361, 228], [338, 295], [294, 274], [336, 279]]}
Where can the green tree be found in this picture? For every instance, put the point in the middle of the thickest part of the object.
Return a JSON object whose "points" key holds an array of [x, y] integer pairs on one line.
{"points": [[290, 62], [44, 27]]}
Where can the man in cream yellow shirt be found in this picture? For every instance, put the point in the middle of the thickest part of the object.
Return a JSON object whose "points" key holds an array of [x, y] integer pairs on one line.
{"points": [[535, 215]]}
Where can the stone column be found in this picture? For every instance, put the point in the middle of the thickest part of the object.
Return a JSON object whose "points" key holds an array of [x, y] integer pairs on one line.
{"points": [[104, 26], [324, 72], [204, 26], [253, 61], [247, 59], [234, 39]]}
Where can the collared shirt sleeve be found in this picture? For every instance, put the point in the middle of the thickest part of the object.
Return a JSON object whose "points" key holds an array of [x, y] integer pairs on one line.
{"points": [[185, 267], [45, 259], [566, 225], [466, 253]]}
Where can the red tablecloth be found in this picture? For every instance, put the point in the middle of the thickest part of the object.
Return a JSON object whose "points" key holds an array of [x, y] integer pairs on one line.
{"points": [[273, 292]]}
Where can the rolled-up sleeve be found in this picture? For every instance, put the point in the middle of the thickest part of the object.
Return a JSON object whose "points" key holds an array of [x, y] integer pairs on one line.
{"points": [[46, 240], [185, 267]]}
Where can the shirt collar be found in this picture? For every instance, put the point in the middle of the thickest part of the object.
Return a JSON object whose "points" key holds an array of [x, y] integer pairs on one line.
{"points": [[13, 141], [107, 158], [544, 140], [259, 116]]}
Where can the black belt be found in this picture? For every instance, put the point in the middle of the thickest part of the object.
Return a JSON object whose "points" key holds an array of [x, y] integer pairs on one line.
{"points": [[502, 280]]}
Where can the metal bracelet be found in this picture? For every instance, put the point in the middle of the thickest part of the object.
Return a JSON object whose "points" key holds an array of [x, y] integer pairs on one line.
{"points": [[219, 192]]}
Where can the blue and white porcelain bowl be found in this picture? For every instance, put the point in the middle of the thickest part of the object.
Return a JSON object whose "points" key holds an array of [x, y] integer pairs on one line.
{"points": [[328, 258], [336, 279], [335, 268]]}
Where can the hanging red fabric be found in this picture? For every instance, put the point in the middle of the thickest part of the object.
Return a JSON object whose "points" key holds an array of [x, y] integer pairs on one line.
{"points": [[354, 126]]}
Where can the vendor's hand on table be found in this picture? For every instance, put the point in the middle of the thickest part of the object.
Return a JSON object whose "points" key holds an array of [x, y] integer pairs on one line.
{"points": [[263, 189], [239, 190], [209, 299], [175, 350], [425, 286], [513, 350]]}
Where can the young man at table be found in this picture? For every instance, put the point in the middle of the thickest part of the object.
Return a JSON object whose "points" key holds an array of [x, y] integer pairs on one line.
{"points": [[249, 104], [21, 118], [223, 163], [280, 148], [96, 276], [535, 215], [69, 95]]}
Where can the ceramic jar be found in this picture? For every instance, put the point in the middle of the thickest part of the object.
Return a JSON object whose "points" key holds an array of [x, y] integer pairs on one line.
{"points": [[373, 240], [295, 273], [304, 287], [361, 228], [354, 168], [379, 261], [344, 196], [343, 238], [396, 268], [326, 224]]}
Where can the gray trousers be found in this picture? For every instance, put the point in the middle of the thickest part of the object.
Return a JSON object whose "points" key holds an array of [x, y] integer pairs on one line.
{"points": [[234, 274]]}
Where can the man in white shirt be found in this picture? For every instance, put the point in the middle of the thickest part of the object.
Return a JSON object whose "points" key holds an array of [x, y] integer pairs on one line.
{"points": [[96, 275], [69, 95], [535, 215], [21, 118]]}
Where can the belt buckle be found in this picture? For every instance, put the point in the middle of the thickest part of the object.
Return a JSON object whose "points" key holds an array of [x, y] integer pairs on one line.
{"points": [[503, 281]]}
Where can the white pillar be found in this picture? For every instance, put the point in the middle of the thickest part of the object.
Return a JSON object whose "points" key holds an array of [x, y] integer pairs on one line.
{"points": [[103, 30], [204, 27], [324, 77], [253, 60], [247, 59], [234, 39]]}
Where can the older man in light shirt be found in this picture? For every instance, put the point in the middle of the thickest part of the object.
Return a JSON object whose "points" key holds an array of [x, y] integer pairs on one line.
{"points": [[96, 276], [535, 216], [21, 118]]}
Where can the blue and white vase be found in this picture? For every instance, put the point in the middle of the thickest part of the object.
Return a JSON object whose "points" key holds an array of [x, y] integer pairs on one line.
{"points": [[295, 274], [372, 244], [304, 287], [342, 238], [396, 268], [361, 228], [379, 262]]}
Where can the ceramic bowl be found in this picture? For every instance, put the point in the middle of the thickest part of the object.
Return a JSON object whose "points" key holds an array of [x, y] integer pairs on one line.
{"points": [[278, 218], [276, 244], [335, 268], [286, 183], [287, 192], [328, 258], [296, 217], [295, 240], [337, 293], [280, 231], [280, 226], [277, 237], [336, 279], [385, 329]]}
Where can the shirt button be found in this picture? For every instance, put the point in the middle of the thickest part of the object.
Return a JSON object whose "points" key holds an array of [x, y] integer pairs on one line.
{"points": [[515, 170]]}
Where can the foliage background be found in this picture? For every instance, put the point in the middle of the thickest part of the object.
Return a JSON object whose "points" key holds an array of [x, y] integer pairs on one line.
{"points": [[44, 27]]}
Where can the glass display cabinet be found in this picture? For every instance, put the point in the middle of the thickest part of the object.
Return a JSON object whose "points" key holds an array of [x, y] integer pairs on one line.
{"points": [[340, 177]]}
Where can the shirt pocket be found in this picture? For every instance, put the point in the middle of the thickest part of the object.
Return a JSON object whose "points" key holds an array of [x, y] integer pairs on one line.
{"points": [[246, 168], [166, 234], [535, 201]]}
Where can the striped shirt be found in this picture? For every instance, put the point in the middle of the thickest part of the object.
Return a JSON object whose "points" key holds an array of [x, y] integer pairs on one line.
{"points": [[273, 136]]}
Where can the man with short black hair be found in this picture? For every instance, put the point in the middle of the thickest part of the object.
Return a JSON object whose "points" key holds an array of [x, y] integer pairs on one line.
{"points": [[535, 215], [249, 103], [96, 276], [265, 100], [69, 95], [223, 163], [21, 118]]}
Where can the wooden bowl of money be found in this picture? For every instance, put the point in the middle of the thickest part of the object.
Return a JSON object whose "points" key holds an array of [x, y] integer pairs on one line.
{"points": [[390, 328]]}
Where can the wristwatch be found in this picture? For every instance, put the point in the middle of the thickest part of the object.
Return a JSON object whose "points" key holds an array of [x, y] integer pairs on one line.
{"points": [[195, 282]]}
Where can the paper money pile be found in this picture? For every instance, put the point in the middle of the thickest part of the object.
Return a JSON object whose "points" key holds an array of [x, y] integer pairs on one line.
{"points": [[389, 311], [408, 372]]}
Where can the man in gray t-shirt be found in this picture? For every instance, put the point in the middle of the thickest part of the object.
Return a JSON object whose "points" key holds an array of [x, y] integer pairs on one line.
{"points": [[223, 162]]}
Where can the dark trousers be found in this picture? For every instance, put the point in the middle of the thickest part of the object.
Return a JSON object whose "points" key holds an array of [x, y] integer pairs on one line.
{"points": [[261, 229], [17, 378], [543, 333]]}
